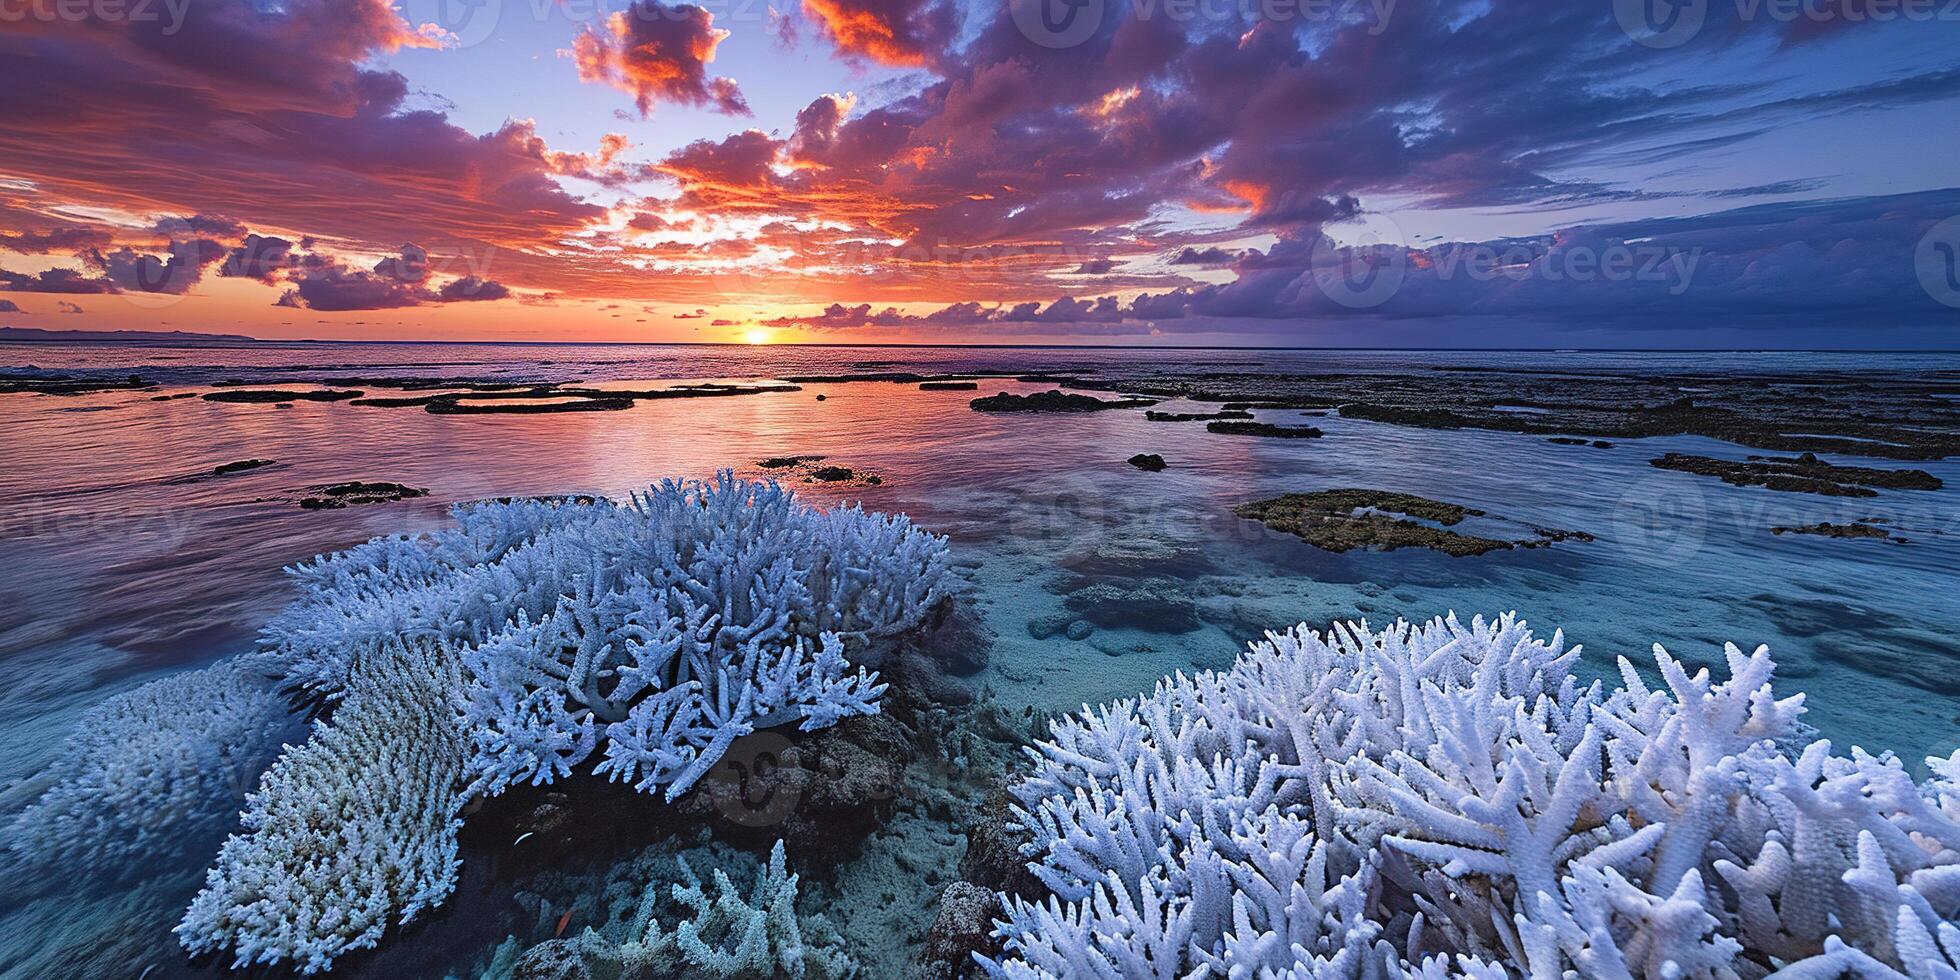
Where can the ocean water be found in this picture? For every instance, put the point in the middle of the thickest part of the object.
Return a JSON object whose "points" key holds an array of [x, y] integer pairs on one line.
{"points": [[121, 561]]}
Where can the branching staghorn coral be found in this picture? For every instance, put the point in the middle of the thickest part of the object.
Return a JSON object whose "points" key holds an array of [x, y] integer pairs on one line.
{"points": [[151, 769], [510, 648], [664, 628], [1445, 800], [736, 938], [349, 832], [718, 934]]}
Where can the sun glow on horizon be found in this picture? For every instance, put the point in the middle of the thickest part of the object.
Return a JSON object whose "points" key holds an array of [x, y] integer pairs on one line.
{"points": [[755, 335]]}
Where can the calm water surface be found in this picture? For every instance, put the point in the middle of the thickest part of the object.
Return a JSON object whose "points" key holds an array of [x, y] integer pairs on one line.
{"points": [[121, 559]]}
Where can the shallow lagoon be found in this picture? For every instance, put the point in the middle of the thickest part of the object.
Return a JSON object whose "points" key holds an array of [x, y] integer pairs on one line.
{"points": [[124, 560]]}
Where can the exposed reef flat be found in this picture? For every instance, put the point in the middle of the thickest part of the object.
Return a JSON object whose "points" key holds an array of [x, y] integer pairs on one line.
{"points": [[1800, 474], [1230, 413], [1054, 401], [552, 397], [572, 404], [1345, 519], [1891, 415], [1575, 441], [62, 384], [384, 381], [267, 396], [1854, 529], [806, 466], [353, 493], [949, 385], [1230, 427], [239, 466], [927, 377]]}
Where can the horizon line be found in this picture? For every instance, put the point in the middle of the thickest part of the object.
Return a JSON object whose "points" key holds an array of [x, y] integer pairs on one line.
{"points": [[164, 338]]}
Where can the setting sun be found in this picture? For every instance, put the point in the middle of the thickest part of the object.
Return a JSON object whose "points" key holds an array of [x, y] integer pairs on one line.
{"points": [[756, 336]]}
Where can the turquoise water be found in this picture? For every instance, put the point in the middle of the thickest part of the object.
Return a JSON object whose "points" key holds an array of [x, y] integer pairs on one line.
{"points": [[120, 563]]}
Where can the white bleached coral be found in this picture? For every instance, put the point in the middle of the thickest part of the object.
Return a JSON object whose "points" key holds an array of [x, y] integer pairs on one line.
{"points": [[735, 938], [350, 832], [662, 629], [1446, 800], [152, 769], [718, 931], [511, 648]]}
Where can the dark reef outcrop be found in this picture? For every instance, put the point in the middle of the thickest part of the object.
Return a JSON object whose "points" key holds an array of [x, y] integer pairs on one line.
{"points": [[239, 466], [1800, 474], [261, 396], [455, 407], [1230, 427], [964, 926], [1888, 413], [1054, 401], [1229, 413], [1149, 462], [353, 493], [1854, 529], [806, 466], [62, 384]]}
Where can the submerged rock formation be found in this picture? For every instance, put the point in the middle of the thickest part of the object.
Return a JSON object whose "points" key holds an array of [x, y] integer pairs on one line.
{"points": [[1342, 520]]}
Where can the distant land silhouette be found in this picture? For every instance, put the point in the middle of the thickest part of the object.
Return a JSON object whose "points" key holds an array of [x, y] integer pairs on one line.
{"points": [[175, 338]]}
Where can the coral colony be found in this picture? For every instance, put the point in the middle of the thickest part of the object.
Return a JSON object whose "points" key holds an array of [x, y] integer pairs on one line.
{"points": [[508, 648], [1445, 800], [1422, 801]]}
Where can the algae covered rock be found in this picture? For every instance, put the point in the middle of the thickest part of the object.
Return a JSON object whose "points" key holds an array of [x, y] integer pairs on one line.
{"points": [[1343, 520], [1347, 519], [963, 926]]}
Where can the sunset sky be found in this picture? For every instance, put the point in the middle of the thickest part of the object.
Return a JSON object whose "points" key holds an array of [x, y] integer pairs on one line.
{"points": [[1548, 172]]}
